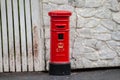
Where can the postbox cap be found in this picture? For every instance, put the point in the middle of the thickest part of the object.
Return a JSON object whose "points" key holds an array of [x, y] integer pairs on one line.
{"points": [[59, 13]]}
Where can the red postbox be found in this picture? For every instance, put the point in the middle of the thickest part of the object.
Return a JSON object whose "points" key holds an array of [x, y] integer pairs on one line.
{"points": [[59, 43]]}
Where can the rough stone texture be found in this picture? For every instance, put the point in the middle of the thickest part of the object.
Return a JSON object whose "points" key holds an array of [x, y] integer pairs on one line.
{"points": [[118, 27], [113, 5], [94, 34], [77, 3], [59, 2], [114, 62], [116, 35], [101, 36], [103, 13], [91, 22], [107, 54], [81, 21], [94, 56], [101, 29], [86, 12], [109, 24], [115, 45], [93, 3], [84, 33], [116, 17]]}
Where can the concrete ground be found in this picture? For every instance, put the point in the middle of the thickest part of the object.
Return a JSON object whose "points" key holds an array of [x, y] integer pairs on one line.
{"points": [[109, 74]]}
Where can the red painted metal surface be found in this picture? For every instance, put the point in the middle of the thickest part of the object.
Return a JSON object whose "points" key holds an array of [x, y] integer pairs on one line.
{"points": [[59, 44]]}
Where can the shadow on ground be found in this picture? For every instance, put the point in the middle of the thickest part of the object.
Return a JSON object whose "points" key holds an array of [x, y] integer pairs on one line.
{"points": [[87, 74]]}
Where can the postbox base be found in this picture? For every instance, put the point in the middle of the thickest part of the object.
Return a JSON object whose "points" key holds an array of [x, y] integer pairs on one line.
{"points": [[59, 69]]}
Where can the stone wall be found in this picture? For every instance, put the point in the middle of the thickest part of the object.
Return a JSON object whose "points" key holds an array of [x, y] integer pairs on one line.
{"points": [[95, 31]]}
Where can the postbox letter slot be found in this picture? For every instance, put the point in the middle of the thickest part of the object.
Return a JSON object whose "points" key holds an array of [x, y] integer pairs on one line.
{"points": [[60, 26], [60, 36]]}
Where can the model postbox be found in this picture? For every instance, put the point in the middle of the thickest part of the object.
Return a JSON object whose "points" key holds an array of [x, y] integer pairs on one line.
{"points": [[59, 43]]}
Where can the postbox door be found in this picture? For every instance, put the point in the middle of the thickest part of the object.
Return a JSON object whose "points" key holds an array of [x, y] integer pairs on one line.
{"points": [[60, 46]]}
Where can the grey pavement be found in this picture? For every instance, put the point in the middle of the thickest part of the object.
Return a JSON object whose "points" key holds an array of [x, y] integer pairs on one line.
{"points": [[110, 74]]}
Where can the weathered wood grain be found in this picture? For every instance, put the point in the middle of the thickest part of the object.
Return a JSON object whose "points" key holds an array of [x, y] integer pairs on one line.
{"points": [[23, 35], [37, 37], [1, 65], [29, 35], [17, 36], [4, 36], [11, 38]]}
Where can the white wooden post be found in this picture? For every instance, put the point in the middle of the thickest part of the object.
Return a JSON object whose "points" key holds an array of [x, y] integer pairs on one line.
{"points": [[17, 37], [10, 33], [29, 35], [4, 36], [23, 35], [37, 36], [1, 65]]}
